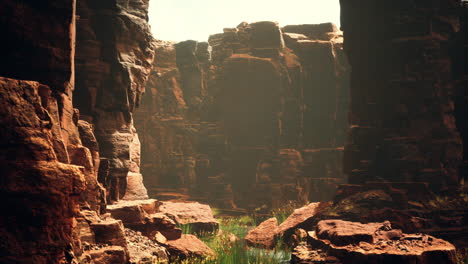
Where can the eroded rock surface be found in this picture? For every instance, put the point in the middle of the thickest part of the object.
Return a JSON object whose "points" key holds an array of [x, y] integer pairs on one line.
{"points": [[232, 123], [350, 242], [114, 56]]}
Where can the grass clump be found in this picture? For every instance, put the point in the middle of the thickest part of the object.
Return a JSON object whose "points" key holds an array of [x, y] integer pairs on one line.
{"points": [[230, 247]]}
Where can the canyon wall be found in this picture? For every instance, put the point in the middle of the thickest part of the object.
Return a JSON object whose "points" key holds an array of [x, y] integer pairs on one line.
{"points": [[460, 63], [259, 112], [403, 126], [114, 56], [50, 156], [44, 165]]}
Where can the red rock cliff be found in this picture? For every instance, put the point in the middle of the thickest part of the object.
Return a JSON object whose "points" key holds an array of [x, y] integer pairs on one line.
{"points": [[264, 113], [114, 57], [403, 127]]}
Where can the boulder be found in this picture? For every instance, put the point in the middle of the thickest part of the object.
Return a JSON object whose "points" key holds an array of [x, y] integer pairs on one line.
{"points": [[140, 215], [188, 246], [266, 34], [263, 235], [198, 216], [301, 218], [352, 242], [133, 212], [110, 232]]}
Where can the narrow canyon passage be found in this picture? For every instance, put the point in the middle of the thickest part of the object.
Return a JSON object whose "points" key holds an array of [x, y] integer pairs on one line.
{"points": [[266, 143], [226, 121]]}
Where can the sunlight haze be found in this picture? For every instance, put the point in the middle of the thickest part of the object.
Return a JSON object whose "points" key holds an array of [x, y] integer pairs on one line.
{"points": [[179, 20]]}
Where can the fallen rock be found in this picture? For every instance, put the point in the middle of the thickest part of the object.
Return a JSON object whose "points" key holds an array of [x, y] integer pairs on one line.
{"points": [[263, 235], [198, 216], [300, 218], [161, 223], [343, 233], [352, 242], [133, 212], [140, 215], [109, 231], [188, 246]]}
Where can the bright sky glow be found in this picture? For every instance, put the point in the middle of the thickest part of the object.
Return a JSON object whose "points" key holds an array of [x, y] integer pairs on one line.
{"points": [[179, 20]]}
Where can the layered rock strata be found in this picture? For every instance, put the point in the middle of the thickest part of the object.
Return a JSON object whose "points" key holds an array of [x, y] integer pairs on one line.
{"points": [[403, 126], [238, 117], [114, 57], [51, 155], [336, 241]]}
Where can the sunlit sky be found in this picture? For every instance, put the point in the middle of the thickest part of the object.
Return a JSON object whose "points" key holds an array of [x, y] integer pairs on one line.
{"points": [[179, 20]]}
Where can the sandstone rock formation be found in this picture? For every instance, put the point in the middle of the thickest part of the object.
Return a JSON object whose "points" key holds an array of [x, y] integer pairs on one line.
{"points": [[114, 57], [50, 157], [403, 127], [263, 235], [268, 232], [198, 216], [145, 217], [347, 242], [188, 246], [241, 121]]}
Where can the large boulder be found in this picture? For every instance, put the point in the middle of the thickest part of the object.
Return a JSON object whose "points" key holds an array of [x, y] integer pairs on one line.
{"points": [[141, 215], [198, 216], [188, 246], [263, 235], [110, 232], [301, 218]]}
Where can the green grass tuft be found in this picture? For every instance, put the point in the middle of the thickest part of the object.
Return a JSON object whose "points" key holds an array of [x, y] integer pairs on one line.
{"points": [[230, 247]]}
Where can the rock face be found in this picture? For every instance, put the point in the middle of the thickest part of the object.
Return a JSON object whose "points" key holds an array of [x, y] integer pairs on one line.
{"points": [[349, 242], [37, 186], [114, 58], [403, 126], [460, 67], [240, 121], [51, 155], [44, 163]]}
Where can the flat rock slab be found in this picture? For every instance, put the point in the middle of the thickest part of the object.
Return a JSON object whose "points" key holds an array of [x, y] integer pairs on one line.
{"points": [[143, 216], [188, 246], [343, 233], [352, 242], [109, 232], [133, 212], [198, 215], [263, 235]]}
